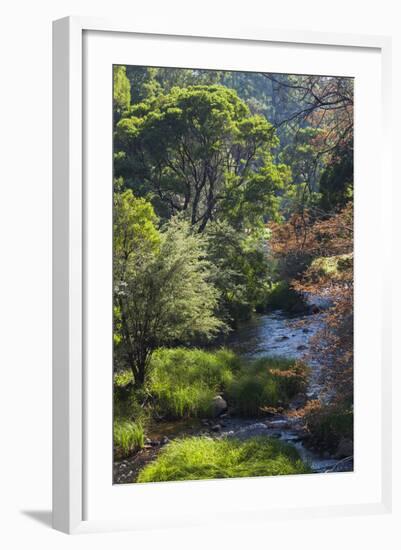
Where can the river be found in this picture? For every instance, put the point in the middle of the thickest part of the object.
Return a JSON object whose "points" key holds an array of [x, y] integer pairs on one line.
{"points": [[278, 334]]}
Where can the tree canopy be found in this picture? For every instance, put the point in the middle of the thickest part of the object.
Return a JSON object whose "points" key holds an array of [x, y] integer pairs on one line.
{"points": [[200, 151]]}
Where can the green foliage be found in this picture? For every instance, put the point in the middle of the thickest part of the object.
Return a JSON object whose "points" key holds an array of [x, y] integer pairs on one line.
{"points": [[336, 183], [198, 149], [143, 83], [183, 382], [121, 91], [123, 378], [163, 285], [128, 437], [134, 230], [329, 424], [265, 383], [135, 240], [242, 272], [204, 458]]}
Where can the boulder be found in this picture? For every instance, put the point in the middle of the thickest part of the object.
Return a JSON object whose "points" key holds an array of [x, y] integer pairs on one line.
{"points": [[216, 428], [219, 406]]}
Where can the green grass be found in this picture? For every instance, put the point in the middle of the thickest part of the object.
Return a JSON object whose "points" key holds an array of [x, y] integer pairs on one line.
{"points": [[266, 382], [128, 436], [203, 458], [184, 382]]}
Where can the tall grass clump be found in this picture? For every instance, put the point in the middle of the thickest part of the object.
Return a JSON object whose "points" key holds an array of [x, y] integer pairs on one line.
{"points": [[183, 382], [266, 382], [130, 416], [204, 458], [128, 436]]}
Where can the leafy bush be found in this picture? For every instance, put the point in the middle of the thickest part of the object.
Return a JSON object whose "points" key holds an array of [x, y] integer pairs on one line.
{"points": [[184, 382], [205, 458], [267, 382], [128, 437], [329, 424]]}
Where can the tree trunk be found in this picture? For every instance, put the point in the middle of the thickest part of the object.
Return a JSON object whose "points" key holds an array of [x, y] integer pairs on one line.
{"points": [[139, 367], [139, 372]]}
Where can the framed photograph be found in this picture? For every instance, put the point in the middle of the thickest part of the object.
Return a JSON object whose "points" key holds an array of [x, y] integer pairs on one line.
{"points": [[219, 346]]}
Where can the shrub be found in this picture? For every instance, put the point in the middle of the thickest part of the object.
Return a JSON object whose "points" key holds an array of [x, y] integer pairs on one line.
{"points": [[128, 437], [329, 424], [267, 382], [205, 458]]}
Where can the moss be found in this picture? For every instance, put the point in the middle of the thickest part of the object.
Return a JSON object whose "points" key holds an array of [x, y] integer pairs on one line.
{"points": [[205, 458]]}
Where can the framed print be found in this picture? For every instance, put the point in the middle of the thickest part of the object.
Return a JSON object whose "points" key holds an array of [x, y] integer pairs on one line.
{"points": [[214, 282]]}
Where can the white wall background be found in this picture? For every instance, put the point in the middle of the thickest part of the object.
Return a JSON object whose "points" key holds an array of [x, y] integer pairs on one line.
{"points": [[25, 217]]}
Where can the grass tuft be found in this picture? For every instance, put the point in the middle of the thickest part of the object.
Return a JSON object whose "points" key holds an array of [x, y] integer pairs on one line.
{"points": [[128, 436], [184, 382], [267, 382], [204, 458]]}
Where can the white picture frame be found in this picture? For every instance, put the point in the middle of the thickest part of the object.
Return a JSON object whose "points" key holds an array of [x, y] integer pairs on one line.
{"points": [[70, 250]]}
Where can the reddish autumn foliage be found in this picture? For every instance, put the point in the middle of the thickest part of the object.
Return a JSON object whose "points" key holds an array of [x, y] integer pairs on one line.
{"points": [[316, 255]]}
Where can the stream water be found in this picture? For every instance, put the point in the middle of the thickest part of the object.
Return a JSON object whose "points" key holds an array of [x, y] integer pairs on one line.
{"points": [[277, 334], [272, 334]]}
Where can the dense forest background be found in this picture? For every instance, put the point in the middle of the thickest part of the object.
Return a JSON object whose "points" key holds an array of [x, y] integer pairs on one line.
{"points": [[233, 196]]}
